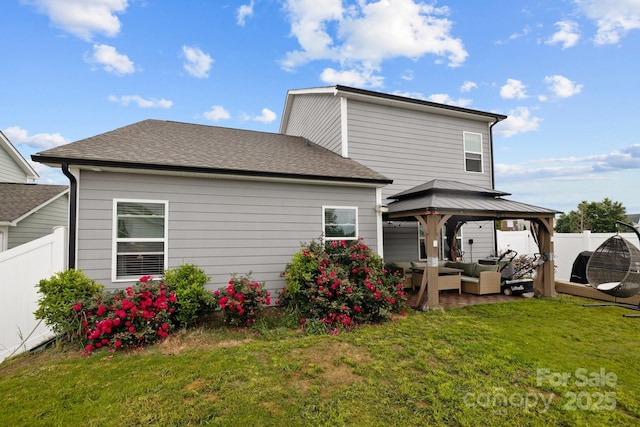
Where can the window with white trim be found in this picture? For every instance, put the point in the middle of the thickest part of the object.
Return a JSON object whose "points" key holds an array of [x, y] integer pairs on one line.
{"points": [[472, 151], [340, 222], [140, 229]]}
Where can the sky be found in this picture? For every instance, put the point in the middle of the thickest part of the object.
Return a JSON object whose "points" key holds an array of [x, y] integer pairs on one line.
{"points": [[564, 71]]}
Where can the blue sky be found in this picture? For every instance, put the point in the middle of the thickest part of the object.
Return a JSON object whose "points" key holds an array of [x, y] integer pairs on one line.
{"points": [[565, 72]]}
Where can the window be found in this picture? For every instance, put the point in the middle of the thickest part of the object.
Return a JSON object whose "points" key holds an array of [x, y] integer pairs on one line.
{"points": [[472, 152], [340, 223], [140, 238]]}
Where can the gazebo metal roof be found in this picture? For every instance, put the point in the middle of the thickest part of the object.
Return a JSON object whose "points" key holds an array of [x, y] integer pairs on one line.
{"points": [[459, 199]]}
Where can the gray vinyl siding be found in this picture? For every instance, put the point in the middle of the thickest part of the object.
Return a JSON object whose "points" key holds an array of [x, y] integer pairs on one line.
{"points": [[223, 226], [413, 147], [40, 223], [317, 118], [9, 170], [400, 241]]}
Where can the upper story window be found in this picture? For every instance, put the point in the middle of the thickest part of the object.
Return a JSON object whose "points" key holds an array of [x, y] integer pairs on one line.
{"points": [[340, 222], [472, 152], [140, 238]]}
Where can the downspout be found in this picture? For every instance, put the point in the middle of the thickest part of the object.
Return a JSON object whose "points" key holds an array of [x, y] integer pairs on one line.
{"points": [[73, 191], [493, 182]]}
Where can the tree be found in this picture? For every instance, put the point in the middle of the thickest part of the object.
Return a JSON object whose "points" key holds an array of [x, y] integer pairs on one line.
{"points": [[599, 217]]}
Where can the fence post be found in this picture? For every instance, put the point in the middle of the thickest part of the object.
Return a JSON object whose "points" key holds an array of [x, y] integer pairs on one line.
{"points": [[586, 240]]}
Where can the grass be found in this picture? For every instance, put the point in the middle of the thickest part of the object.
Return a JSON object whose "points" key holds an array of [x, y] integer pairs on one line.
{"points": [[472, 366]]}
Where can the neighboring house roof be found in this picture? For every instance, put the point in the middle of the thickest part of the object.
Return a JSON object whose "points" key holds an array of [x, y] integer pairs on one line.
{"points": [[21, 200], [389, 99], [17, 157], [462, 200], [634, 218], [185, 147]]}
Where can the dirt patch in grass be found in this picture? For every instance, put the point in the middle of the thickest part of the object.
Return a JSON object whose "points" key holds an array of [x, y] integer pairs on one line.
{"points": [[327, 366], [200, 339]]}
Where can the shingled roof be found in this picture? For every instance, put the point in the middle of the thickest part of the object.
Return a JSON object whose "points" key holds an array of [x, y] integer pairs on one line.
{"points": [[185, 147], [16, 200]]}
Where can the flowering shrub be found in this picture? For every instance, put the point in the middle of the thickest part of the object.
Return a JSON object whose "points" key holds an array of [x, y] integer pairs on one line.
{"points": [[241, 300], [58, 296], [341, 284], [139, 315], [187, 282]]}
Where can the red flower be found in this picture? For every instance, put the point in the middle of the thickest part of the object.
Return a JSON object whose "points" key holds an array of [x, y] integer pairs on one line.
{"points": [[145, 279], [77, 307]]}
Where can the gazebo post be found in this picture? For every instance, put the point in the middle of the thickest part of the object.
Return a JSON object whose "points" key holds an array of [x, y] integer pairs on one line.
{"points": [[544, 282], [432, 223]]}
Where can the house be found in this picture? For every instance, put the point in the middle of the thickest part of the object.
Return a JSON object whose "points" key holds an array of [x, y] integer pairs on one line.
{"points": [[634, 219], [27, 210], [156, 194], [409, 140]]}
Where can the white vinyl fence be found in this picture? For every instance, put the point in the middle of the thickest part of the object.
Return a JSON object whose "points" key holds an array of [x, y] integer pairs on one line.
{"points": [[21, 269], [567, 246]]}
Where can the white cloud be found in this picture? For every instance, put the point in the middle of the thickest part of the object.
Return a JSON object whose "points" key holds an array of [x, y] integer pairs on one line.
{"points": [[267, 116], [407, 75], [567, 34], [614, 18], [351, 77], [467, 86], [520, 120], [562, 87], [141, 102], [244, 11], [217, 113], [513, 89], [619, 160], [18, 136], [365, 34], [443, 98], [112, 61], [83, 18], [197, 63]]}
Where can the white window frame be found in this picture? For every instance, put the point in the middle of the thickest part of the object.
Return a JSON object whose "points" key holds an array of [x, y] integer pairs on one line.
{"points": [[357, 230], [116, 239], [466, 151]]}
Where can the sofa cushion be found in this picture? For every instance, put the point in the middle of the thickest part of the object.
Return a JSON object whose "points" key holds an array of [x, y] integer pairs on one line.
{"points": [[467, 268], [418, 264], [405, 265], [479, 268], [469, 279], [451, 264]]}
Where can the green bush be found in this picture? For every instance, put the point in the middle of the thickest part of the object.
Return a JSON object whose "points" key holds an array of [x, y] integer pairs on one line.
{"points": [[340, 284], [188, 283], [59, 295]]}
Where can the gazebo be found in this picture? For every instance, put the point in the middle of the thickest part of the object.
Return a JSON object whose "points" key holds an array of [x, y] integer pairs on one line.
{"points": [[439, 204]]}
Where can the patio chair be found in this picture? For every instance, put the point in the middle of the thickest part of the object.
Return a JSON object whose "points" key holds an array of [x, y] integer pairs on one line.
{"points": [[614, 269]]}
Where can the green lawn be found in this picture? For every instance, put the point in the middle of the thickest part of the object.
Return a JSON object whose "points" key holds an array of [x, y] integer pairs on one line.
{"points": [[529, 362]]}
